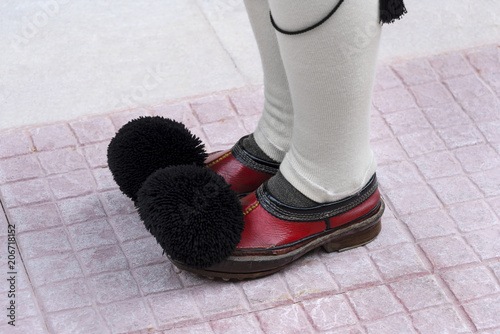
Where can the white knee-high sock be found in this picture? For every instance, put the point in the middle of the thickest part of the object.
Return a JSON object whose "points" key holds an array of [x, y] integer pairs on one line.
{"points": [[274, 131], [330, 71]]}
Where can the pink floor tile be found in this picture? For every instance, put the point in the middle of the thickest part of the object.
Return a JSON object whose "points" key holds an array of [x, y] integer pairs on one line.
{"points": [[407, 121], [92, 267], [351, 270], [399, 260], [62, 161], [438, 164], [52, 137], [419, 293], [491, 131], [120, 119], [80, 209], [485, 59], [285, 319], [412, 199], [37, 244], [460, 136], [388, 151], [78, 321], [213, 109], [91, 234], [25, 192], [267, 292], [398, 175], [309, 278], [19, 168], [378, 127], [478, 158], [472, 215], [72, 184], [193, 329], [392, 234], [93, 130], [394, 99], [65, 295], [450, 65], [415, 72], [128, 227], [488, 182], [96, 154], [482, 109], [104, 179], [27, 305], [250, 123], [33, 325], [496, 269], [484, 312], [455, 189], [35, 217], [219, 300], [495, 204], [114, 286], [128, 316], [248, 102], [386, 79], [102, 259], [446, 115], [493, 79], [374, 303], [391, 325], [485, 243], [157, 278], [15, 143], [142, 252], [439, 319], [330, 312], [431, 95], [466, 87], [226, 132], [237, 325], [174, 308], [116, 203], [53, 269], [421, 143], [471, 283], [448, 252], [347, 330], [179, 112]]}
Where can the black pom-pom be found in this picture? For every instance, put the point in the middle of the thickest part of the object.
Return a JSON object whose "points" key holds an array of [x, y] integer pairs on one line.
{"points": [[193, 214], [147, 144], [391, 10]]}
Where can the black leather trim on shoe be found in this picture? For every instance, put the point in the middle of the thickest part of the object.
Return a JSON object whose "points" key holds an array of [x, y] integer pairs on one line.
{"points": [[252, 161], [319, 212]]}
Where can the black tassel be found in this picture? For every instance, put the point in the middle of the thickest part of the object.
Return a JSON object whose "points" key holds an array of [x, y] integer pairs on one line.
{"points": [[391, 10]]}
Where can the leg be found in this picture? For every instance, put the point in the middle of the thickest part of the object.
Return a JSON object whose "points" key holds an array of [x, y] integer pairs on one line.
{"points": [[274, 132], [331, 71]]}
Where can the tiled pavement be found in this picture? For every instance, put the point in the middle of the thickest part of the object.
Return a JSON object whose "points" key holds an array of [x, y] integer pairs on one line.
{"points": [[87, 265]]}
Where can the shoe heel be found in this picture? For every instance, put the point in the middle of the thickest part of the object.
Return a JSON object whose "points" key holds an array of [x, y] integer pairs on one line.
{"points": [[353, 239]]}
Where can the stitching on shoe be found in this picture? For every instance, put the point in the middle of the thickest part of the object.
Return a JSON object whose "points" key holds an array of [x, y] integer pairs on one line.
{"points": [[250, 209], [220, 159]]}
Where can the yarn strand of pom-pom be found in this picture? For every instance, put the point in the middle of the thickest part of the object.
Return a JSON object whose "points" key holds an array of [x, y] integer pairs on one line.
{"points": [[391, 10]]}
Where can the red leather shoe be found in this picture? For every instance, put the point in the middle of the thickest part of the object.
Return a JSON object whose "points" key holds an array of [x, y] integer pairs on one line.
{"points": [[275, 234], [240, 169]]}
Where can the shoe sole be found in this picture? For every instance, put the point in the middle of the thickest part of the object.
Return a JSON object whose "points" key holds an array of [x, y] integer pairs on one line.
{"points": [[349, 236]]}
